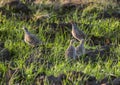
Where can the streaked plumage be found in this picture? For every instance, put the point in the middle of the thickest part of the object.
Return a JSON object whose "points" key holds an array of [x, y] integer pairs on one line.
{"points": [[80, 50], [70, 51], [76, 33], [30, 38]]}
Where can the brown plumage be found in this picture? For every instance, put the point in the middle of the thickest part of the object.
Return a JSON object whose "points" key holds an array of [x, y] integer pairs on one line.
{"points": [[30, 38], [70, 51], [76, 33]]}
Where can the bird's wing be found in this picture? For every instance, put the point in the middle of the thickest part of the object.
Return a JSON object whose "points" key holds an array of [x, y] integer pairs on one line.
{"points": [[78, 49], [33, 39], [80, 33], [71, 48]]}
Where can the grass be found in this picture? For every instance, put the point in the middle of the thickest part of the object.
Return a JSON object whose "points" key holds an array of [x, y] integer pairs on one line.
{"points": [[12, 34]]}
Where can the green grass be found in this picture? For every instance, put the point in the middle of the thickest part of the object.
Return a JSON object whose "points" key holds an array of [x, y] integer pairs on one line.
{"points": [[12, 34]]}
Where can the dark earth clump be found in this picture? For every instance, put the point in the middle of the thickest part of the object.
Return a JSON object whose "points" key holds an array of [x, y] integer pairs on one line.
{"points": [[4, 52], [95, 55], [17, 9], [72, 76], [96, 40], [108, 79]]}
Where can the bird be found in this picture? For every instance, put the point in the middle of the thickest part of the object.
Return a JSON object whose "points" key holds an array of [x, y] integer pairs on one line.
{"points": [[116, 81], [31, 39], [70, 51], [76, 33], [80, 49]]}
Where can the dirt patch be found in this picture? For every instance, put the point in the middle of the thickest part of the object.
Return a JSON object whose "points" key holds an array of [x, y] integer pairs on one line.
{"points": [[108, 79], [96, 40], [4, 53], [105, 14], [72, 76], [96, 54], [15, 8]]}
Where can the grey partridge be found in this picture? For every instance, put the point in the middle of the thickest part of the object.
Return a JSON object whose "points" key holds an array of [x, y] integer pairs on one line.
{"points": [[80, 49], [70, 51], [76, 32], [31, 39]]}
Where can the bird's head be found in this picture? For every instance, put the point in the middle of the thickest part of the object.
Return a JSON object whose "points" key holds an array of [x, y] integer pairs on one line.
{"points": [[25, 29], [71, 22]]}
